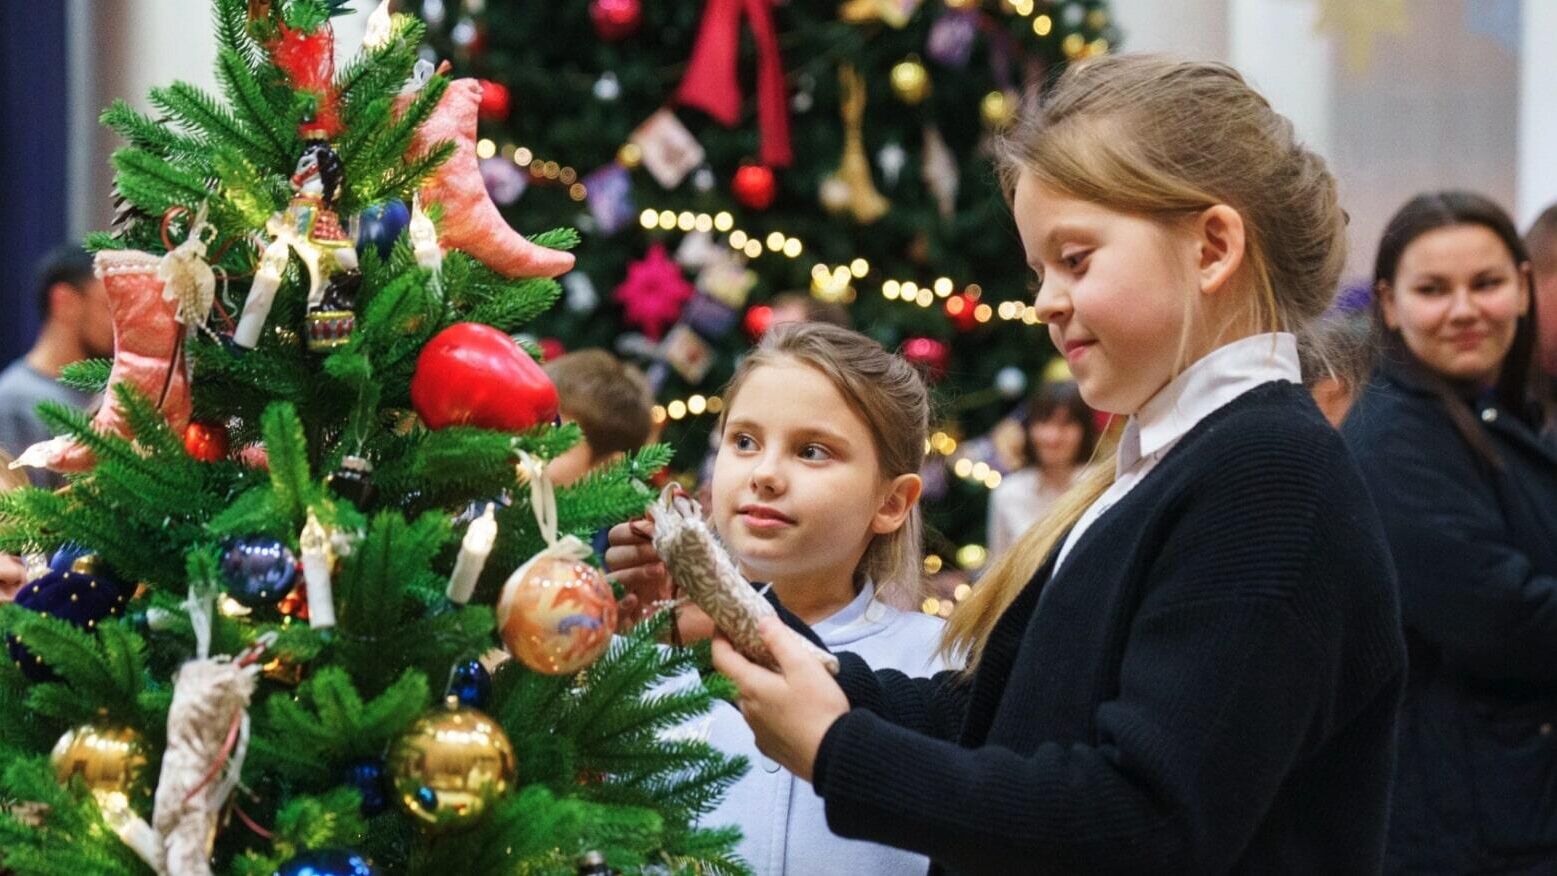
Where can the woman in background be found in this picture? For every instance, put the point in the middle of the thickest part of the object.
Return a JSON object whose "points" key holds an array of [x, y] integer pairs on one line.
{"points": [[1059, 437], [1446, 437]]}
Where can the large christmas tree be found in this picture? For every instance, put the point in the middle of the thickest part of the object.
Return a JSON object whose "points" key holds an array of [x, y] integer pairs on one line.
{"points": [[250, 643], [834, 149]]}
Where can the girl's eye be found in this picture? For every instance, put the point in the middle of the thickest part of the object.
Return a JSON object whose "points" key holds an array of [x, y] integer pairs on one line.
{"points": [[1484, 283], [814, 453], [1076, 260], [1431, 289], [742, 441]]}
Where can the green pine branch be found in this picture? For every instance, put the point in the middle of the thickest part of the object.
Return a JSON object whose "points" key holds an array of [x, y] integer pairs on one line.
{"points": [[253, 113], [153, 184], [88, 376], [203, 115]]}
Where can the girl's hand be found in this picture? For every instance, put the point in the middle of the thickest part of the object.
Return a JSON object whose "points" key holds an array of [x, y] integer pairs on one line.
{"points": [[13, 574], [789, 710], [632, 560]]}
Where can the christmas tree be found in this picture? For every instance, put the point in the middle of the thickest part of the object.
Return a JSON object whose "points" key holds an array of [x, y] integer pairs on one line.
{"points": [[250, 643], [834, 149]]}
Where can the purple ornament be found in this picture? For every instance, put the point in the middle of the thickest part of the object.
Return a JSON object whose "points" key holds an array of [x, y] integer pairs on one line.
{"points": [[610, 197], [711, 319], [78, 589], [505, 182], [951, 38]]}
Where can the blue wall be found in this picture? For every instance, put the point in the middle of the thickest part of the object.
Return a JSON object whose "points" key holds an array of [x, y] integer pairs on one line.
{"points": [[34, 130]]}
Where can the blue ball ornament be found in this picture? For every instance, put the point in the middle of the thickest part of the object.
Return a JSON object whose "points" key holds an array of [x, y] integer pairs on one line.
{"points": [[258, 570], [78, 588], [327, 862], [379, 225], [367, 776], [470, 683]]}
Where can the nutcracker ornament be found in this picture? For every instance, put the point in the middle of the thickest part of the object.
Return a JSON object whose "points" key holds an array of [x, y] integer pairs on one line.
{"points": [[313, 230]]}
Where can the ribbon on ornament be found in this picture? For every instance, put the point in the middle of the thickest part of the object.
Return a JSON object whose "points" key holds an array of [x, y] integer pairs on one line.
{"points": [[543, 503], [712, 83]]}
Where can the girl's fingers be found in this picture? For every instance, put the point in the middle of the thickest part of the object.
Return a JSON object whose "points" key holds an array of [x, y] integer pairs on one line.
{"points": [[633, 532], [629, 556], [785, 645]]}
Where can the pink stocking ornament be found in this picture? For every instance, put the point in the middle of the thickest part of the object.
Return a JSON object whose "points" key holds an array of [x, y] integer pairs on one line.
{"points": [[148, 348], [471, 222]]}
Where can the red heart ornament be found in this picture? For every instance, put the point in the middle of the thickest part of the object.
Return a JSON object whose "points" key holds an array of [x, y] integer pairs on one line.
{"points": [[471, 374]]}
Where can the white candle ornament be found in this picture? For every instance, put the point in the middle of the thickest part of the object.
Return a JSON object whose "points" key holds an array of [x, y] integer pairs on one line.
{"points": [[317, 559], [262, 293], [474, 549]]}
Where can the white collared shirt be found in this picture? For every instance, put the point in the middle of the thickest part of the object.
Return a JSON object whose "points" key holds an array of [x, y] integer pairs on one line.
{"points": [[1217, 378]]}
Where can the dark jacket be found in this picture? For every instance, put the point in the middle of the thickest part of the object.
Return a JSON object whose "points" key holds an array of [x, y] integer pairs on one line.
{"points": [[1209, 686], [1476, 552]]}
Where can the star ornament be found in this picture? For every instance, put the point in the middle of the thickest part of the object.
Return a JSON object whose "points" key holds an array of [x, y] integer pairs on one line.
{"points": [[654, 292]]}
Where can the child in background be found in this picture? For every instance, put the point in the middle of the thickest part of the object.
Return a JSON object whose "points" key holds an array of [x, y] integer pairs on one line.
{"points": [[609, 400], [816, 490]]}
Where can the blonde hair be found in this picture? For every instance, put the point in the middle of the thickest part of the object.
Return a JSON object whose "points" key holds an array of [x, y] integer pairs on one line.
{"points": [[1166, 139], [890, 396]]}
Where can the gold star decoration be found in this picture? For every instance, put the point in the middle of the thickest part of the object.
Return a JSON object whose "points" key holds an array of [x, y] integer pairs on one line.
{"points": [[1356, 23]]}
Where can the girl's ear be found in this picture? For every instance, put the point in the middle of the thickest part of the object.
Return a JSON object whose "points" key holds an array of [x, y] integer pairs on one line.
{"points": [[902, 495], [1221, 240]]}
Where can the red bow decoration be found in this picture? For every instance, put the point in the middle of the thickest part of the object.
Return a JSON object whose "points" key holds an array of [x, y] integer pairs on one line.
{"points": [[712, 84]]}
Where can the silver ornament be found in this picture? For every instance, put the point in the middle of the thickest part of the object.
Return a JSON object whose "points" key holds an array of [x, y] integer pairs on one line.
{"points": [[608, 87], [1010, 382], [892, 158]]}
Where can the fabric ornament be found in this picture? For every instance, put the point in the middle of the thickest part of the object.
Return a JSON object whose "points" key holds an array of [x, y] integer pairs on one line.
{"points": [[952, 37], [666, 148], [609, 194], [688, 353], [939, 170], [726, 278], [703, 570], [505, 182], [712, 319], [712, 81], [471, 221], [147, 354], [654, 292]]}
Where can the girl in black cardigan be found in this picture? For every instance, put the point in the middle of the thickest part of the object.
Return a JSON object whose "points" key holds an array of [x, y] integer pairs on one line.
{"points": [[1448, 436], [1194, 664]]}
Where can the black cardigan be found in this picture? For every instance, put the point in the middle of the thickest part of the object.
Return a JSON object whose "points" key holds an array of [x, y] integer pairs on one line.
{"points": [[1475, 547], [1210, 686]]}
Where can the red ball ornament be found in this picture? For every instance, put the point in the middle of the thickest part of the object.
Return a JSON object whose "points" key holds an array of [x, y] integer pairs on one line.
{"points": [[928, 353], [757, 320], [472, 374], [616, 19], [551, 348], [206, 442], [495, 101], [961, 309], [754, 186]]}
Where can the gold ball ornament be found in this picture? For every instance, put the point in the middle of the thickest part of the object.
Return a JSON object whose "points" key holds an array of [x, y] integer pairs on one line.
{"points": [[959, 5], [556, 615], [910, 81], [109, 759], [449, 765], [997, 109]]}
